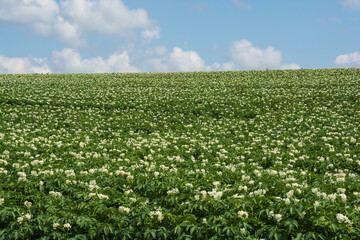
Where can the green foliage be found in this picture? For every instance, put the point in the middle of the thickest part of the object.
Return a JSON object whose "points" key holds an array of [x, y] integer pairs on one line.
{"points": [[213, 155]]}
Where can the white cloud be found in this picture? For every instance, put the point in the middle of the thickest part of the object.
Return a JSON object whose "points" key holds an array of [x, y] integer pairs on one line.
{"points": [[227, 66], [290, 66], [69, 61], [23, 65], [151, 33], [70, 20], [348, 60], [107, 16], [244, 54], [67, 33], [41, 16], [28, 11], [185, 61], [160, 59], [351, 3]]}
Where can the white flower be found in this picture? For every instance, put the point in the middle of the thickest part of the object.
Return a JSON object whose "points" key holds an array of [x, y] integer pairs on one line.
{"points": [[315, 190], [332, 197], [343, 219], [67, 225], [218, 195], [55, 194], [92, 195], [245, 188], [21, 174], [128, 191], [343, 197], [341, 179], [290, 193], [124, 209], [27, 204], [102, 196], [316, 204], [158, 214], [259, 192], [55, 225], [216, 183], [203, 193], [1, 201], [341, 190], [20, 219], [28, 216], [278, 217], [243, 214], [173, 192]]}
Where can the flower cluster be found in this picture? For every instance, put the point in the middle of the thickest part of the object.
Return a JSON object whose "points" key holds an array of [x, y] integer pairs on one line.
{"points": [[173, 191], [243, 214], [67, 226], [124, 209], [277, 216], [24, 216], [343, 219], [98, 195], [158, 213], [55, 194], [28, 204]]}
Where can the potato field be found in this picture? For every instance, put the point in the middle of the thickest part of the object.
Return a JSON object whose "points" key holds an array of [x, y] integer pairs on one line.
{"points": [[271, 154]]}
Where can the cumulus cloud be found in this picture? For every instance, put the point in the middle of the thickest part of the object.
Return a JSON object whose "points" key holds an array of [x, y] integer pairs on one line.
{"points": [[42, 17], [108, 16], [25, 11], [348, 60], [157, 59], [160, 59], [67, 33], [247, 56], [243, 55], [70, 20], [69, 61], [185, 61], [151, 33], [351, 3], [23, 65]]}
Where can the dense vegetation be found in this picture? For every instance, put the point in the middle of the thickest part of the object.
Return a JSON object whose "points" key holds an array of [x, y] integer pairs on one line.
{"points": [[214, 155]]}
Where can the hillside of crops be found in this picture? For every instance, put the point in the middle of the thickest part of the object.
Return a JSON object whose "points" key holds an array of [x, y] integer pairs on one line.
{"points": [[271, 154]]}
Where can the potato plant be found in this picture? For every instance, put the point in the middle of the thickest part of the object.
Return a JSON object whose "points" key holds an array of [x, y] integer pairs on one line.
{"points": [[207, 155]]}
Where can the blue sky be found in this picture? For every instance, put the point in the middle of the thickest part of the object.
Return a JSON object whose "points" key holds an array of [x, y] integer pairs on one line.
{"points": [[177, 35]]}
